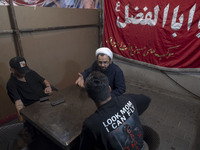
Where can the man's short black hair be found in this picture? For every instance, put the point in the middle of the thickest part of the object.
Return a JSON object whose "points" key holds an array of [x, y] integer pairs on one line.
{"points": [[97, 86]]}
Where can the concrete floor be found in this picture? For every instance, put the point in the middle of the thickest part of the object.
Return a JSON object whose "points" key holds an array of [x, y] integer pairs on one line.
{"points": [[174, 117]]}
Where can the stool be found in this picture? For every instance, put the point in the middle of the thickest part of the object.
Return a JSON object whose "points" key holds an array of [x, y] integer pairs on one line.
{"points": [[8, 133], [151, 137]]}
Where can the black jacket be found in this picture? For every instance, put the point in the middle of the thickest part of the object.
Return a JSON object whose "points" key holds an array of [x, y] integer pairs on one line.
{"points": [[115, 77]]}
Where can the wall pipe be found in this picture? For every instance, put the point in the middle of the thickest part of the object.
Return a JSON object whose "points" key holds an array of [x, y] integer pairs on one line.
{"points": [[6, 32], [48, 29], [57, 28], [14, 26]]}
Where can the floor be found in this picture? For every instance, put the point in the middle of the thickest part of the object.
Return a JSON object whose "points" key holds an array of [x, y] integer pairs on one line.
{"points": [[175, 118]]}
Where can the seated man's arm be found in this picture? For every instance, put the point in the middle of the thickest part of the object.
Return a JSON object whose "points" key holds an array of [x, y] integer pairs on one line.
{"points": [[15, 98], [48, 89], [19, 105], [80, 81], [82, 76], [119, 86], [142, 102]]}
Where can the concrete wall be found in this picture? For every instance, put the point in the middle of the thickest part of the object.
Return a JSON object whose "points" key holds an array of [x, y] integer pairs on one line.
{"points": [[57, 43]]}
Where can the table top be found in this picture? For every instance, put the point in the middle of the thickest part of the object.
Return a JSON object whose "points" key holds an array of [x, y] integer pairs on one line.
{"points": [[61, 123]]}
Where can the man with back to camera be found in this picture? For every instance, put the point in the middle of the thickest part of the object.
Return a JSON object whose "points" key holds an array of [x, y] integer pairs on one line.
{"points": [[115, 125], [105, 65], [25, 86]]}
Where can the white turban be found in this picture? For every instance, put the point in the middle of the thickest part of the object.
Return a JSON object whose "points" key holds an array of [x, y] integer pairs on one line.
{"points": [[106, 51]]}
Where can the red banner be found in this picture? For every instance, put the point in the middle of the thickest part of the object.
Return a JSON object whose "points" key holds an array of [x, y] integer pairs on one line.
{"points": [[160, 32]]}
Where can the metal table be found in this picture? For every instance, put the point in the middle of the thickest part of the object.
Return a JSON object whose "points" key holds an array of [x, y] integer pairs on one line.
{"points": [[61, 123]]}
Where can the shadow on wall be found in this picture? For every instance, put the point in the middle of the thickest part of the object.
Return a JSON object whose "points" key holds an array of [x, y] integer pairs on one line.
{"points": [[72, 69], [7, 107]]}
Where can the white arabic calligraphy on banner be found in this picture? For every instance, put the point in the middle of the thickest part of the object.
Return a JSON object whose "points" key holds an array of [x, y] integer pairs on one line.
{"points": [[142, 19]]}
